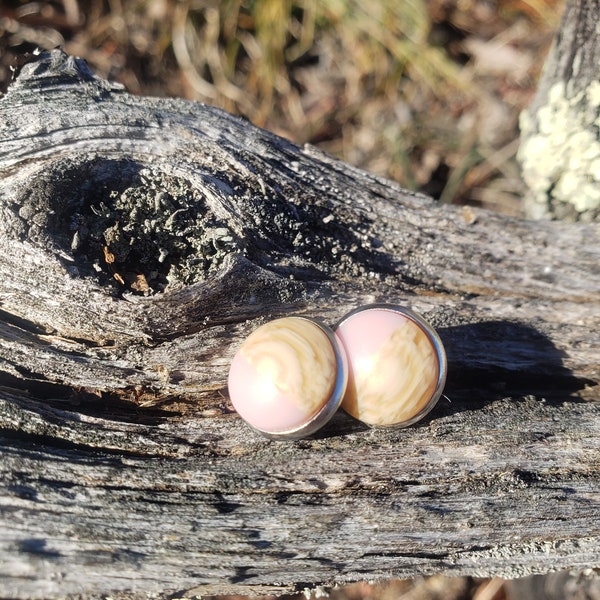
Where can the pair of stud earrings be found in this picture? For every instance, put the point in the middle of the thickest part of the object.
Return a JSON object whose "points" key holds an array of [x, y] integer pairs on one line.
{"points": [[383, 364]]}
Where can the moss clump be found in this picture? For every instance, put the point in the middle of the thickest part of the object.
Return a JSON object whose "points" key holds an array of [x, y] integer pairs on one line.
{"points": [[125, 225], [158, 233]]}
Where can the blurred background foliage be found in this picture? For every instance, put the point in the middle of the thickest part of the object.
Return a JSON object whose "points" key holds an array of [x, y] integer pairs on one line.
{"points": [[425, 92]]}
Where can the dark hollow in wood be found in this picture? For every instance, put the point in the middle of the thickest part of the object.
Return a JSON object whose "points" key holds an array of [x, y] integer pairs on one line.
{"points": [[141, 239]]}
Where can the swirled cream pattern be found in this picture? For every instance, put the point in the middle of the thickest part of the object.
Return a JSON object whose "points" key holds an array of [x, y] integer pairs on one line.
{"points": [[394, 382], [288, 369]]}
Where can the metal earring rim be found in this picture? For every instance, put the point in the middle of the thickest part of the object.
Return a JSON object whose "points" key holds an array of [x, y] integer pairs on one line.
{"points": [[437, 344], [328, 410]]}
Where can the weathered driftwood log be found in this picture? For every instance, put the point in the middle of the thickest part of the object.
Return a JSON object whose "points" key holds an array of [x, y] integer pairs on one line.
{"points": [[142, 239]]}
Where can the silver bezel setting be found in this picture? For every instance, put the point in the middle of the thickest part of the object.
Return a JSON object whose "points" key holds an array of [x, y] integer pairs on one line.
{"points": [[325, 414], [436, 342]]}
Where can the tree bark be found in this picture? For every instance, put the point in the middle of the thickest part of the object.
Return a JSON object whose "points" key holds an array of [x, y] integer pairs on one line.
{"points": [[141, 240], [560, 130]]}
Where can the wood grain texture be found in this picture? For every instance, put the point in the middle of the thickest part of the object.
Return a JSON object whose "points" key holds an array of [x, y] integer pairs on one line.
{"points": [[141, 239]]}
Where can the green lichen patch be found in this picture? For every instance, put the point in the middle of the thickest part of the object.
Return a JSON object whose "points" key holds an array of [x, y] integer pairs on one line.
{"points": [[561, 155]]}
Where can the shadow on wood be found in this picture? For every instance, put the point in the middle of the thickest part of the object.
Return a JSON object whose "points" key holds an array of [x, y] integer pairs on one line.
{"points": [[502, 356]]}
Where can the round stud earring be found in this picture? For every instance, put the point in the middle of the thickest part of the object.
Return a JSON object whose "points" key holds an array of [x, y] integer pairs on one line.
{"points": [[288, 377], [396, 365]]}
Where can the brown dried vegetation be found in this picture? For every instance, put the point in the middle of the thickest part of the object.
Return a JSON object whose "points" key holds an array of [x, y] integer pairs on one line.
{"points": [[426, 92]]}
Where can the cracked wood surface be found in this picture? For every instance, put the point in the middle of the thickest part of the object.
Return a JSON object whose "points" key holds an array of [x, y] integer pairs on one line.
{"points": [[142, 239]]}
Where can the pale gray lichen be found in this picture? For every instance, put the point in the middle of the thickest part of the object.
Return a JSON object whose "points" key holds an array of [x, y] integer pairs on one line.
{"points": [[560, 155]]}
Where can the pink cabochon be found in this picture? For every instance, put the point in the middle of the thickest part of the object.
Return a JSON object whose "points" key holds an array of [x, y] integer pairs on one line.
{"points": [[259, 402], [364, 332], [393, 367]]}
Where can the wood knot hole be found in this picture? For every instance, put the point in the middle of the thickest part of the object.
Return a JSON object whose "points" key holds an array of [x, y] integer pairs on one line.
{"points": [[126, 225]]}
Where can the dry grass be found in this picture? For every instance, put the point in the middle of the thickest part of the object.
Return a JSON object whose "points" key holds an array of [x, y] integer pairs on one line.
{"points": [[426, 92], [436, 587]]}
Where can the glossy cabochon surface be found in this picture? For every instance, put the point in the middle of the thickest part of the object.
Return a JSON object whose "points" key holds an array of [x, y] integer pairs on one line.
{"points": [[288, 377], [397, 365]]}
